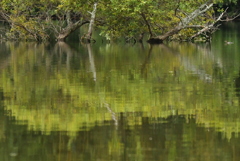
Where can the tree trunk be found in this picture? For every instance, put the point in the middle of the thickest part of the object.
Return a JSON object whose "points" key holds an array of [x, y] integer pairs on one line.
{"points": [[87, 37], [183, 23], [70, 29], [65, 48], [148, 24]]}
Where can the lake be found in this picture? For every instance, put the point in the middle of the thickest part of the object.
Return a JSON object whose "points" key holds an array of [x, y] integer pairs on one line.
{"points": [[121, 101]]}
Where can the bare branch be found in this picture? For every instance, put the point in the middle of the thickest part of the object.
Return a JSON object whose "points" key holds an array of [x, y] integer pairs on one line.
{"points": [[203, 8], [194, 26], [209, 27], [184, 23], [232, 18]]}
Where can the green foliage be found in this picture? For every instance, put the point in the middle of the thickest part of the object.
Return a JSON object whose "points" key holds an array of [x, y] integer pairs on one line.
{"points": [[227, 2], [127, 18]]}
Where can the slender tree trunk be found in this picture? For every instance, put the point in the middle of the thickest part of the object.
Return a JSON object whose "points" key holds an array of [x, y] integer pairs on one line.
{"points": [[148, 25], [65, 48], [87, 37]]}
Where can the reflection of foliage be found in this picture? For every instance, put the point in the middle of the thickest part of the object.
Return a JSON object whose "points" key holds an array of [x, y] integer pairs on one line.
{"points": [[40, 88], [175, 139]]}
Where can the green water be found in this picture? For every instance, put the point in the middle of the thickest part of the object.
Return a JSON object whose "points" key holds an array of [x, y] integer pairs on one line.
{"points": [[121, 102]]}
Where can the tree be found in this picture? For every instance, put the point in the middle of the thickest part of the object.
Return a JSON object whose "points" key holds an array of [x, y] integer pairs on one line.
{"points": [[24, 18], [160, 19], [36, 19], [88, 36], [184, 22]]}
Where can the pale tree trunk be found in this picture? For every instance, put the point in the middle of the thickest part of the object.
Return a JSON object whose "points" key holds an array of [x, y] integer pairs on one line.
{"points": [[88, 37], [183, 24], [65, 48]]}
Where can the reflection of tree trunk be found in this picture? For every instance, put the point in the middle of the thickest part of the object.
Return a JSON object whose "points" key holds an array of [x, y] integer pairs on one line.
{"points": [[92, 64], [195, 70], [3, 118], [145, 63], [4, 63], [189, 66], [67, 49], [141, 45], [237, 87], [114, 117]]}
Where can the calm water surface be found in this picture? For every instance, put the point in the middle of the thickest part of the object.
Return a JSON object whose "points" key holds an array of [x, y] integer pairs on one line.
{"points": [[121, 102]]}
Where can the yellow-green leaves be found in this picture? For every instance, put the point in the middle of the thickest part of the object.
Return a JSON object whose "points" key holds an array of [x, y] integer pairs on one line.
{"points": [[115, 18]]}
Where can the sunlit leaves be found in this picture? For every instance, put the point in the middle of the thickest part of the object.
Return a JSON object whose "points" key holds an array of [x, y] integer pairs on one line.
{"points": [[116, 18]]}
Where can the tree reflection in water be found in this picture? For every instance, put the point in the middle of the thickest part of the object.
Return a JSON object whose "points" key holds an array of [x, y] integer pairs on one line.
{"points": [[118, 102]]}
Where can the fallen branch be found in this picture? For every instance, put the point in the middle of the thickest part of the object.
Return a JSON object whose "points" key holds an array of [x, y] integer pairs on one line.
{"points": [[209, 27], [183, 23]]}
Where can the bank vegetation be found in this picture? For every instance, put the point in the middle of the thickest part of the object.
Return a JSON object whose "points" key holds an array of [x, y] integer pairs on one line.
{"points": [[182, 20]]}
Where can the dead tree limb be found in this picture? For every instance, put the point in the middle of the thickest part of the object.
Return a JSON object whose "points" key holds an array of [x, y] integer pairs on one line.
{"points": [[88, 37], [183, 23], [208, 28]]}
